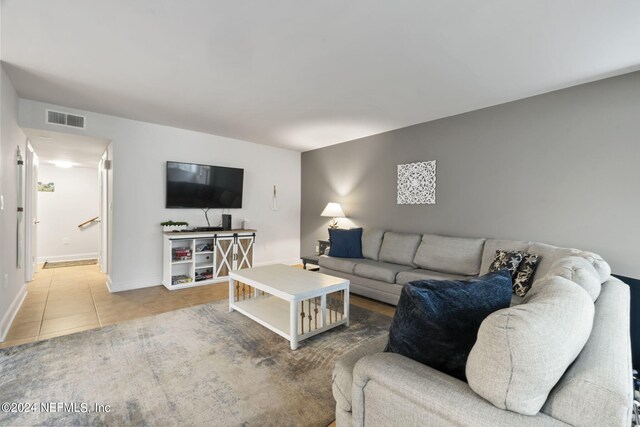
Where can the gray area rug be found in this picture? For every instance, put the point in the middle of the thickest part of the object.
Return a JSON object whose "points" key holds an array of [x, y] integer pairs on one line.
{"points": [[196, 366]]}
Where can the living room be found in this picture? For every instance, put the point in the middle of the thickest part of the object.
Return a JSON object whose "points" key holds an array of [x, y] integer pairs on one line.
{"points": [[525, 114]]}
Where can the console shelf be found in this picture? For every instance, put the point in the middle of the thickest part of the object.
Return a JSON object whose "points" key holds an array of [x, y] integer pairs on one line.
{"points": [[230, 250]]}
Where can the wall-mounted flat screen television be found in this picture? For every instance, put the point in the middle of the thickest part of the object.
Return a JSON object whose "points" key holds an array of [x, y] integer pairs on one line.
{"points": [[202, 186]]}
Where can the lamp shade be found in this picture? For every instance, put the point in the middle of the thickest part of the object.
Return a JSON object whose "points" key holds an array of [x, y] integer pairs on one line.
{"points": [[333, 210]]}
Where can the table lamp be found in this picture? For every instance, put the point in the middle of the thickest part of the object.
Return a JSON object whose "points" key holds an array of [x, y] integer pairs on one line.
{"points": [[333, 210]]}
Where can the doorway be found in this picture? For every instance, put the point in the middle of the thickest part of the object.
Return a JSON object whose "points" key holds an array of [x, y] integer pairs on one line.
{"points": [[67, 199], [31, 209]]}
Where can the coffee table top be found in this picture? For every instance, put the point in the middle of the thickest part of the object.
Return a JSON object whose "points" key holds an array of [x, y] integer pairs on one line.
{"points": [[289, 282]]}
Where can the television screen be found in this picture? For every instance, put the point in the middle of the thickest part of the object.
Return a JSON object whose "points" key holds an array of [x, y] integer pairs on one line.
{"points": [[202, 186]]}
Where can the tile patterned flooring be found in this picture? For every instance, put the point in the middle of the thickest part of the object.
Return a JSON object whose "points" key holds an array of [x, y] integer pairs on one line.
{"points": [[62, 301]]}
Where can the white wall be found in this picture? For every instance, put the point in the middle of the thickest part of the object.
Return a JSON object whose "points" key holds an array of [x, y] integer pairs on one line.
{"points": [[12, 286], [140, 151], [75, 200]]}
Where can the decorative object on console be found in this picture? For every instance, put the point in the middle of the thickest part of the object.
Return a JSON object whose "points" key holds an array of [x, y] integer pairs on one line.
{"points": [[334, 211], [417, 183], [509, 260], [345, 243], [174, 225], [437, 321], [523, 278]]}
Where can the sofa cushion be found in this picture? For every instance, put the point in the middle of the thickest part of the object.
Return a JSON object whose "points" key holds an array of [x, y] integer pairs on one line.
{"points": [[516, 300], [524, 276], [521, 352], [399, 248], [549, 254], [507, 260], [345, 265], [492, 245], [455, 255], [380, 291], [419, 274], [580, 271], [376, 270], [342, 380], [436, 321], [371, 243], [345, 243], [596, 389], [601, 266]]}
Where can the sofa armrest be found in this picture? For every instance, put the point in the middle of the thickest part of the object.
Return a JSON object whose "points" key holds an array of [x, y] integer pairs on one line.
{"points": [[342, 379], [390, 389]]}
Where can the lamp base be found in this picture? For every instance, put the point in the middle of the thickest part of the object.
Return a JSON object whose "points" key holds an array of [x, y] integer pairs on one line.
{"points": [[333, 223]]}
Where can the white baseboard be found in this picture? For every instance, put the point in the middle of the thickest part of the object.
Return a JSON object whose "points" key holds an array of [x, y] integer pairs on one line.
{"points": [[133, 284], [7, 320], [109, 282], [71, 257]]}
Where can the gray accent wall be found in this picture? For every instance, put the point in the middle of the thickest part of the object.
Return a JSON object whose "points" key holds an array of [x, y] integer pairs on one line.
{"points": [[561, 168]]}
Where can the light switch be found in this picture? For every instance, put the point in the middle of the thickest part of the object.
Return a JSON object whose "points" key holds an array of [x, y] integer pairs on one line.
{"points": [[1, 202]]}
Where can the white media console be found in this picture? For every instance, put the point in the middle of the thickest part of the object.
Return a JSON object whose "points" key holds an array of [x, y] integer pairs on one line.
{"points": [[201, 258]]}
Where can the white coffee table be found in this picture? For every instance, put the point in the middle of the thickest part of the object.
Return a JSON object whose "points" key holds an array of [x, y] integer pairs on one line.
{"points": [[294, 303]]}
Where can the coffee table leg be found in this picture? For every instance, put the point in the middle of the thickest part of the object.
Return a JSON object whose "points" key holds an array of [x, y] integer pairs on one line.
{"points": [[346, 305], [323, 309], [232, 284], [293, 324]]}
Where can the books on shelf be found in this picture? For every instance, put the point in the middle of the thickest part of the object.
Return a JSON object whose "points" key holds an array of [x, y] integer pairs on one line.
{"points": [[181, 254], [180, 279], [205, 275]]}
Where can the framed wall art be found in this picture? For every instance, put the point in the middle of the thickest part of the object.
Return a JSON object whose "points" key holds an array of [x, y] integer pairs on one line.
{"points": [[417, 183]]}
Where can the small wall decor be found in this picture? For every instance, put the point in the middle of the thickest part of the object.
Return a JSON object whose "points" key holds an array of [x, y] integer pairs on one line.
{"points": [[48, 187], [417, 183], [274, 199]]}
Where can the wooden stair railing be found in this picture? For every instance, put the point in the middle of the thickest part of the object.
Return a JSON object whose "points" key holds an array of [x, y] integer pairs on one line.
{"points": [[95, 219]]}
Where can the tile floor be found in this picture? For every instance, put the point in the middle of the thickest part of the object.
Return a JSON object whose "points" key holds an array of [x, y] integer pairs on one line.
{"points": [[66, 300], [62, 301]]}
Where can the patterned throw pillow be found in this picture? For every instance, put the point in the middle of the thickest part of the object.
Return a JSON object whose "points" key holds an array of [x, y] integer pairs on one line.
{"points": [[524, 275], [509, 260]]}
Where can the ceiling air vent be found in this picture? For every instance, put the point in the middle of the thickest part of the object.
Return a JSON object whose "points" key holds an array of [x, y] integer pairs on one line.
{"points": [[65, 119]]}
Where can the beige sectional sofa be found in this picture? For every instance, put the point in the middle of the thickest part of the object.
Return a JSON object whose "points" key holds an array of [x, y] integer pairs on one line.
{"points": [[559, 356], [392, 259]]}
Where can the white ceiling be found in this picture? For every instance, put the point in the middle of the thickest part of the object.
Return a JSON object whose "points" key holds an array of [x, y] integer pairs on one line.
{"points": [[82, 151], [306, 74]]}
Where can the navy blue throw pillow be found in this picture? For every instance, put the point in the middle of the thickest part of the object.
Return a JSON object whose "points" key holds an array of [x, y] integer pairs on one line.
{"points": [[345, 243], [437, 321]]}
